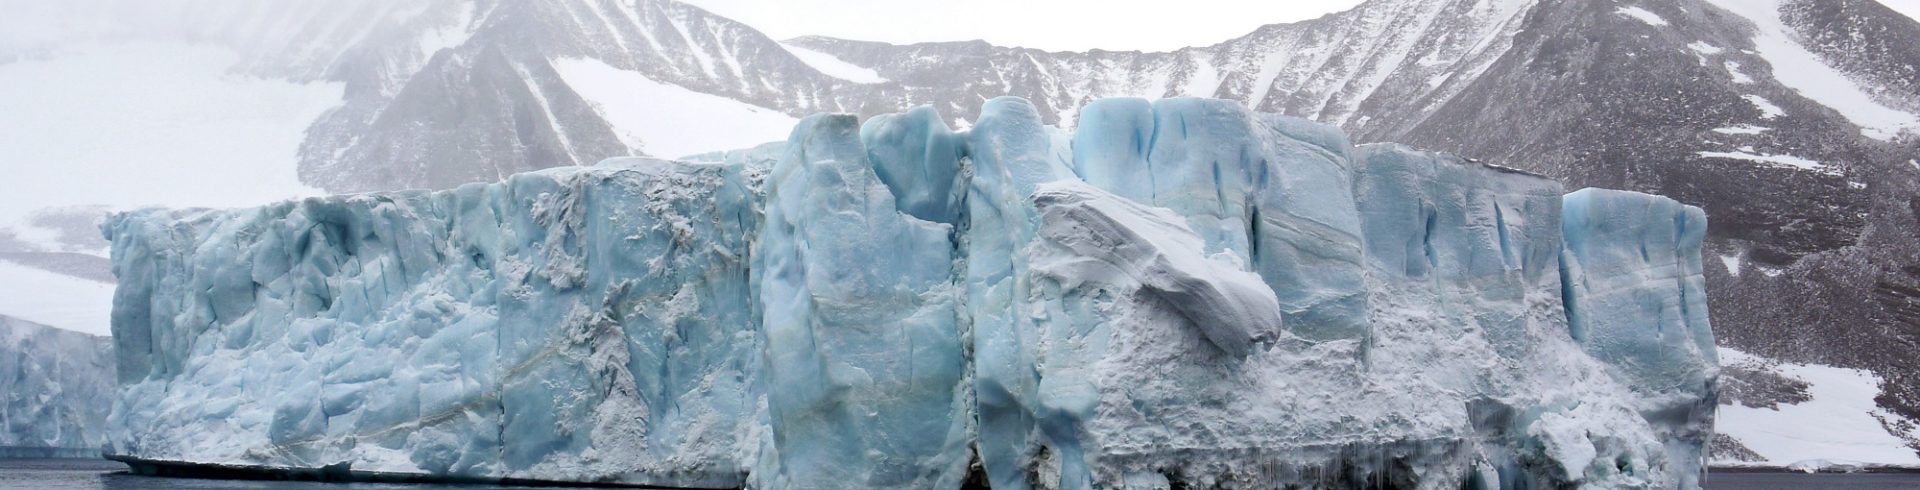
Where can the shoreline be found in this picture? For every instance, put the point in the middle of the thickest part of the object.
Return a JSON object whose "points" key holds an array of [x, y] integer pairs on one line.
{"points": [[1828, 468], [344, 473]]}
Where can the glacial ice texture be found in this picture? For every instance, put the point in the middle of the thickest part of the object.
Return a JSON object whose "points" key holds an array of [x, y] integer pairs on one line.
{"points": [[1179, 293], [52, 388]]}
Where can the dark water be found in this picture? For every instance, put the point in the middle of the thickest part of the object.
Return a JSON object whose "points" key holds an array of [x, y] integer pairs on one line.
{"points": [[1796, 481], [85, 474], [95, 474]]}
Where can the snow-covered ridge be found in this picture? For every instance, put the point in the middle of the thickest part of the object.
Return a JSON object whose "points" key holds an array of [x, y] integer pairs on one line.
{"points": [[1838, 422], [1180, 292]]}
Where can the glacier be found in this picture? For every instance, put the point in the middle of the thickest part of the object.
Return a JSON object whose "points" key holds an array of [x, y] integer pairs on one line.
{"points": [[1178, 293], [54, 390]]}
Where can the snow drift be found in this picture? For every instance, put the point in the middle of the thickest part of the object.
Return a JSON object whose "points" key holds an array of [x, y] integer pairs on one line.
{"points": [[1180, 293]]}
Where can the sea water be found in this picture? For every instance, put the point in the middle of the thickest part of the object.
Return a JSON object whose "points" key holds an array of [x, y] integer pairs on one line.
{"points": [[94, 474]]}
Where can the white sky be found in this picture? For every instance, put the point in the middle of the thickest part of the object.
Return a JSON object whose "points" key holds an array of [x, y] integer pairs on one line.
{"points": [[1076, 25]]}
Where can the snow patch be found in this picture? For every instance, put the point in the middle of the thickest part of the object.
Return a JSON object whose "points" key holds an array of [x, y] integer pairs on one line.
{"points": [[1742, 129], [1740, 77], [1802, 70], [835, 67], [669, 120], [1841, 422], [1205, 79], [1781, 160], [1767, 109], [450, 35], [54, 299], [1827, 466], [1705, 49], [1733, 264], [1643, 15]]}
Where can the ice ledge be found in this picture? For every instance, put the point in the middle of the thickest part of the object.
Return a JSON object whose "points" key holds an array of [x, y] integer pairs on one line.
{"points": [[1154, 247]]}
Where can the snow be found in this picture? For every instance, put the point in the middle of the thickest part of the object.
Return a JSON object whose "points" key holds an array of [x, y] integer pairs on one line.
{"points": [[1740, 77], [1788, 161], [1748, 129], [1733, 264], [1243, 297], [55, 299], [1909, 8], [1643, 15], [1233, 307], [663, 119], [132, 125], [1800, 69], [451, 35], [835, 67], [546, 110], [1766, 107], [1705, 49], [1841, 422], [1204, 80]]}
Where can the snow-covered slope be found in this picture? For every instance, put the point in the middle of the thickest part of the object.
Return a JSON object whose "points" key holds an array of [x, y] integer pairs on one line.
{"points": [[1798, 67], [86, 138], [663, 119], [1828, 413], [52, 298], [999, 319], [84, 135]]}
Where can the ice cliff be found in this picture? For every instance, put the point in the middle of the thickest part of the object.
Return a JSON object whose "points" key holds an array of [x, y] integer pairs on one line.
{"points": [[1180, 293], [55, 390]]}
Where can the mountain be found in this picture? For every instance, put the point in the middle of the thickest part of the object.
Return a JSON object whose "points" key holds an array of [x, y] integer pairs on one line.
{"points": [[1791, 122]]}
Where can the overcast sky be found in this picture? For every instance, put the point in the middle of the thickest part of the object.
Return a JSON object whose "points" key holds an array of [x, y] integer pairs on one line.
{"points": [[1075, 25]]}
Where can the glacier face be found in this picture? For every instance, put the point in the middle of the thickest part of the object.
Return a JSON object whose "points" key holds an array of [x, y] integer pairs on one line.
{"points": [[53, 385], [1180, 292]]}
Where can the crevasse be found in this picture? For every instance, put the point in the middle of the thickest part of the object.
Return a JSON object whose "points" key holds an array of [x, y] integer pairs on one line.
{"points": [[1180, 293]]}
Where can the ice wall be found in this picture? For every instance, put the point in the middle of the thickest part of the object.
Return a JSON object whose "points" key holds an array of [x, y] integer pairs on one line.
{"points": [[1181, 293], [574, 324], [54, 388], [862, 336], [1637, 300]]}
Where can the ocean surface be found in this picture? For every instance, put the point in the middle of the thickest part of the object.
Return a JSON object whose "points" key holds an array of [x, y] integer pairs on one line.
{"points": [[88, 474], [98, 474]]}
